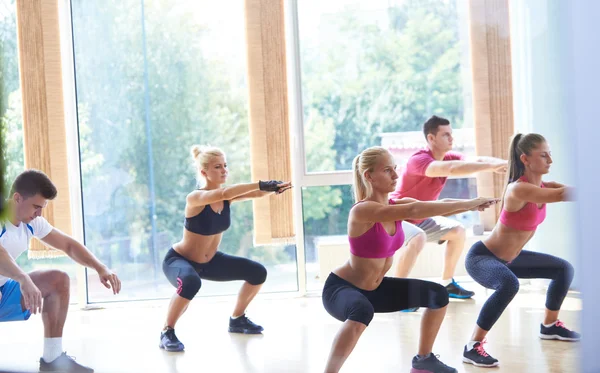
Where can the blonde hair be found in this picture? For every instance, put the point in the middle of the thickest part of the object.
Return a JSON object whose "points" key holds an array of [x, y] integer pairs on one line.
{"points": [[204, 154], [365, 161]]}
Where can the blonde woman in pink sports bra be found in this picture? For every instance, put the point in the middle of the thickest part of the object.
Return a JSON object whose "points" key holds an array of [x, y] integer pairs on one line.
{"points": [[358, 289], [499, 261]]}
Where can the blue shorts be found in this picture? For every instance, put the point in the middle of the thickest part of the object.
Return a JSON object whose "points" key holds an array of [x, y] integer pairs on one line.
{"points": [[10, 304]]}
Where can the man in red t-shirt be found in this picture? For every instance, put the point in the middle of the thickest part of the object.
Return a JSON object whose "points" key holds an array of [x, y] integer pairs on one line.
{"points": [[423, 178]]}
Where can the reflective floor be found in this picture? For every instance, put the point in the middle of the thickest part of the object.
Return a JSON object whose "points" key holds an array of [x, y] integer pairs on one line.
{"points": [[298, 334]]}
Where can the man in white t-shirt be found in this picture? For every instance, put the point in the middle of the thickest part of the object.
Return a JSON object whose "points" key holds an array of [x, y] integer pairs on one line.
{"points": [[45, 291]]}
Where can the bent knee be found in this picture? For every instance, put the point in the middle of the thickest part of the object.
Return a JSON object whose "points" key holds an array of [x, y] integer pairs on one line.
{"points": [[509, 288], [258, 275], [59, 279], [567, 271], [417, 242], [188, 285], [361, 313], [457, 232], [437, 296]]}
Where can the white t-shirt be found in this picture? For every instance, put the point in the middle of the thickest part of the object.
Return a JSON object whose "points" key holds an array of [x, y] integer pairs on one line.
{"points": [[15, 240]]}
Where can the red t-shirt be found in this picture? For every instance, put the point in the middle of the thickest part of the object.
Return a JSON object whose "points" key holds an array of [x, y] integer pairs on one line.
{"points": [[413, 182]]}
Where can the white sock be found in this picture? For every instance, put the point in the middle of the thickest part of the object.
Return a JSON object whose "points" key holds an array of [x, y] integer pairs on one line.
{"points": [[236, 317], [470, 345], [423, 357], [549, 325], [446, 282], [52, 349]]}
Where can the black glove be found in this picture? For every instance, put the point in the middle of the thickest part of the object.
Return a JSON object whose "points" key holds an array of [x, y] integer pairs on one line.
{"points": [[269, 186]]}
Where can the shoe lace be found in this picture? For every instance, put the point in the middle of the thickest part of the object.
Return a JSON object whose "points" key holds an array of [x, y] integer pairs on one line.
{"points": [[437, 357], [480, 350], [560, 324], [457, 286], [247, 320], [170, 334]]}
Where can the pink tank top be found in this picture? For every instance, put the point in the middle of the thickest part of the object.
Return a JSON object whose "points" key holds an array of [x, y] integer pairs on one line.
{"points": [[526, 219], [376, 242]]}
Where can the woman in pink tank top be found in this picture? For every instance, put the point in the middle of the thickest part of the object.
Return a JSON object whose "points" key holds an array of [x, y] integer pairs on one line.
{"points": [[499, 261], [359, 288]]}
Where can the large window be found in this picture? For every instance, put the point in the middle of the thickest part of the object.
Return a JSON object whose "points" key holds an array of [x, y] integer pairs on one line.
{"points": [[11, 114], [154, 78], [373, 67], [371, 74]]}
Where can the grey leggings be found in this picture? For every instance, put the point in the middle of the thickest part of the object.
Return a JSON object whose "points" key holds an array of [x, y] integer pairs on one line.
{"points": [[493, 273]]}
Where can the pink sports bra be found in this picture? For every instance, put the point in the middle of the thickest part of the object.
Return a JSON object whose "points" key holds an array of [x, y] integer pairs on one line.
{"points": [[376, 242], [526, 219]]}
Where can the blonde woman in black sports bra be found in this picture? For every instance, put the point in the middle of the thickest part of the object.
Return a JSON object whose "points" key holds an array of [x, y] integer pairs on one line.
{"points": [[196, 256]]}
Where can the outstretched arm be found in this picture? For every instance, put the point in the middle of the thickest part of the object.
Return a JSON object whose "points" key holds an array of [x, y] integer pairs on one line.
{"points": [[260, 193], [206, 197], [375, 212], [79, 253], [532, 193], [461, 168]]}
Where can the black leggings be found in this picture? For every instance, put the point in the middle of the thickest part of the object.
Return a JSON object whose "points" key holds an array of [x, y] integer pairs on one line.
{"points": [[493, 273], [345, 301], [186, 275]]}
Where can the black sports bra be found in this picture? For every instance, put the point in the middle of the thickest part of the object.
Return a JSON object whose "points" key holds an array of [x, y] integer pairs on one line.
{"points": [[208, 222]]}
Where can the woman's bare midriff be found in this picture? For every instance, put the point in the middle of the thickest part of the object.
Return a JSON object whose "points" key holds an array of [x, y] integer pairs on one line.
{"points": [[198, 248], [364, 273], [506, 243]]}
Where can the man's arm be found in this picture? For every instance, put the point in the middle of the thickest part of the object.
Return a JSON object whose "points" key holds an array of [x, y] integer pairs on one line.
{"points": [[83, 256], [9, 267], [488, 159], [32, 297], [460, 168]]}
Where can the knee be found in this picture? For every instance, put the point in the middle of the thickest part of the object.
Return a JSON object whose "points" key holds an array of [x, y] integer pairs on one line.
{"points": [[60, 281], [437, 296], [417, 243], [258, 275], [567, 272], [188, 285], [458, 233], [362, 313], [509, 288]]}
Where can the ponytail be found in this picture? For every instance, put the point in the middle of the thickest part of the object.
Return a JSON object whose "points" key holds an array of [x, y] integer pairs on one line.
{"points": [[365, 161], [516, 168], [520, 144], [360, 189]]}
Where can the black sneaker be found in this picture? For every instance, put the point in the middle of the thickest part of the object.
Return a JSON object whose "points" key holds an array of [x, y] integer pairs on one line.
{"points": [[63, 364], [478, 357], [559, 331], [244, 325], [431, 364], [457, 291], [169, 341]]}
